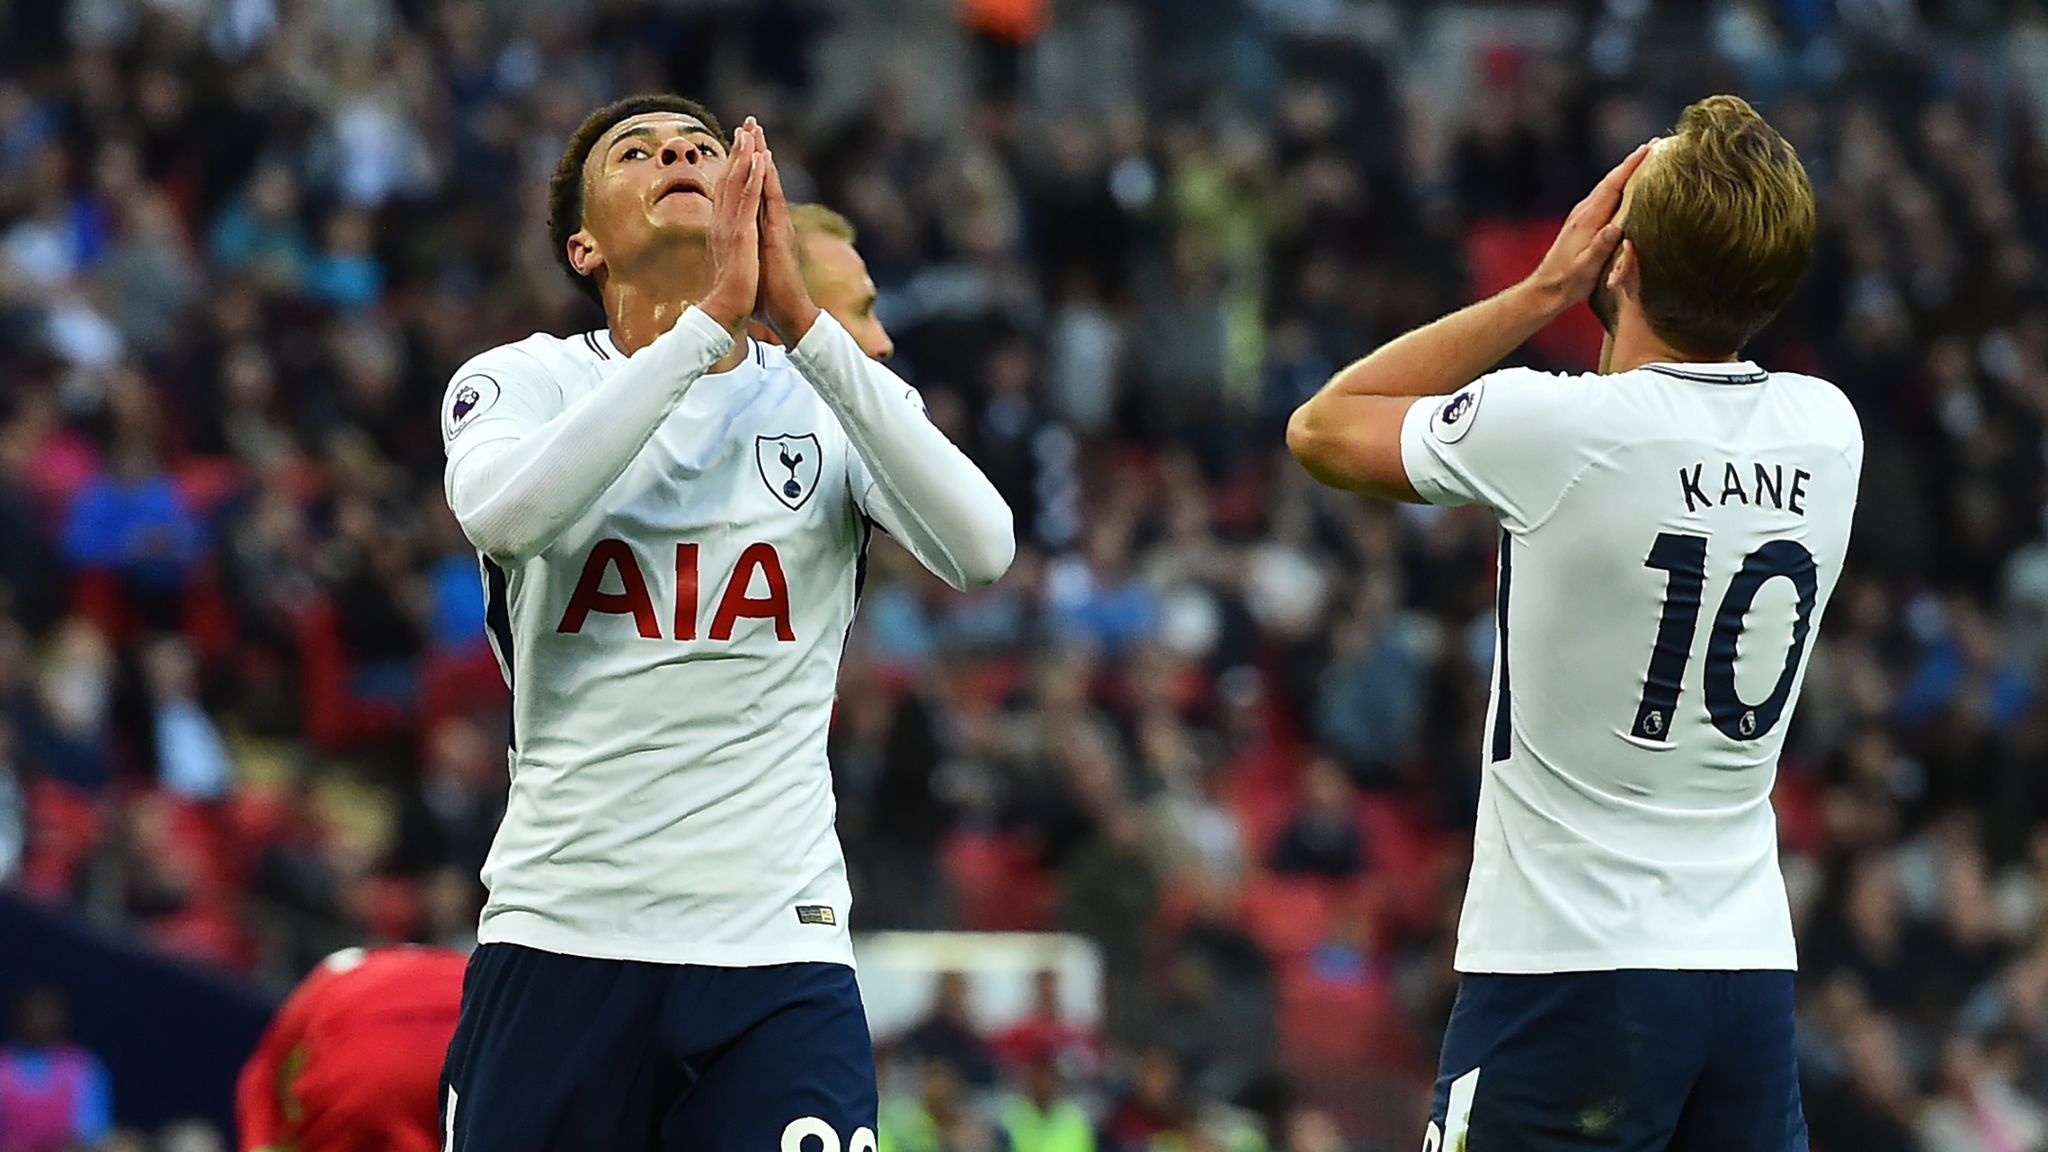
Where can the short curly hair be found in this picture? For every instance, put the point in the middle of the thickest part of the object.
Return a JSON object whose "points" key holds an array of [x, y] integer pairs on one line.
{"points": [[565, 189]]}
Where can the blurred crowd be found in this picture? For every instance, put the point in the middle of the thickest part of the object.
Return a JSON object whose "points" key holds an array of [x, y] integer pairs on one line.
{"points": [[1221, 722]]}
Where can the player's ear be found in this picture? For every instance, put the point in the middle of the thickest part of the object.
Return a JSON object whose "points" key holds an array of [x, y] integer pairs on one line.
{"points": [[1621, 274], [584, 256]]}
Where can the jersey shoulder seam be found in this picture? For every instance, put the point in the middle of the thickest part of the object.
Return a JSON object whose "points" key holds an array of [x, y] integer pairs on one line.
{"points": [[519, 348]]}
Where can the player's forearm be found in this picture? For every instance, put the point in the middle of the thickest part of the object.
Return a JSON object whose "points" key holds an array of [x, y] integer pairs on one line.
{"points": [[948, 513], [1445, 355], [1348, 435], [515, 495]]}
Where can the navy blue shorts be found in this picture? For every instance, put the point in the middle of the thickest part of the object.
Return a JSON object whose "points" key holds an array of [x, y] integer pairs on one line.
{"points": [[566, 1054], [1632, 1061]]}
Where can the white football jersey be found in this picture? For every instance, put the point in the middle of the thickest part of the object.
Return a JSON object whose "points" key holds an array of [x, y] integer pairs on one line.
{"points": [[1670, 538], [673, 657]]}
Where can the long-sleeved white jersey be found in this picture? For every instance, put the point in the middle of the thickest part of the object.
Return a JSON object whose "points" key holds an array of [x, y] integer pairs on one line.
{"points": [[672, 559], [1670, 538]]}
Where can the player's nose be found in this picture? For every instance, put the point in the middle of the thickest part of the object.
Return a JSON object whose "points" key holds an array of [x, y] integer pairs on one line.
{"points": [[682, 150]]}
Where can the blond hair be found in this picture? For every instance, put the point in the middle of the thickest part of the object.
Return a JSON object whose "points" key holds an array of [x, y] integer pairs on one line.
{"points": [[817, 220], [1722, 219]]}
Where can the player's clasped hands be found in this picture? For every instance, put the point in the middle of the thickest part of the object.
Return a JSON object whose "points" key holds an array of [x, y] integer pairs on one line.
{"points": [[1573, 266], [754, 256], [736, 231], [784, 302]]}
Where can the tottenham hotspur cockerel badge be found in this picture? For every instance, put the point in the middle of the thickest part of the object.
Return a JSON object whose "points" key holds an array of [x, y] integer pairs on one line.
{"points": [[789, 466]]}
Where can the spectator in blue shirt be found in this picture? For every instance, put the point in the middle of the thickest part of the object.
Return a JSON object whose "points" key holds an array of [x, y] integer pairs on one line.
{"points": [[132, 520]]}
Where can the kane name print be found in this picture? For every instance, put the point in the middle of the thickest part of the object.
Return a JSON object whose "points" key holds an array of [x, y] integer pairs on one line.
{"points": [[1756, 486]]}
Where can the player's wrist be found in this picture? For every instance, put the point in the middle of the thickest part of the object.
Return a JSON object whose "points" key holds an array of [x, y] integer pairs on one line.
{"points": [[726, 313], [794, 320], [1537, 300]]}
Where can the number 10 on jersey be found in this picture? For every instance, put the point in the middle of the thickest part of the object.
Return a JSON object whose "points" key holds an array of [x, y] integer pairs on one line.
{"points": [[1683, 558]]}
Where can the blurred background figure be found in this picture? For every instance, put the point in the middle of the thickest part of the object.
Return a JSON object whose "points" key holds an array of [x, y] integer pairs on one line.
{"points": [[54, 1095], [353, 1059], [947, 1035]]}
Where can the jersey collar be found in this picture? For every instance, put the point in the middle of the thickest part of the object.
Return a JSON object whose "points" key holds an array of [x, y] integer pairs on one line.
{"points": [[600, 343], [1739, 372]]}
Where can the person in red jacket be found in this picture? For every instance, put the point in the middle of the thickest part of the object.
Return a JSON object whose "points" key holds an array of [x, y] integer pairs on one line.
{"points": [[352, 1062]]}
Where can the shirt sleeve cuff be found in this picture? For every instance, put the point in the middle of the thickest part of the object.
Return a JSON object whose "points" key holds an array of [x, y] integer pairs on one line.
{"points": [[697, 324], [811, 351], [1418, 458]]}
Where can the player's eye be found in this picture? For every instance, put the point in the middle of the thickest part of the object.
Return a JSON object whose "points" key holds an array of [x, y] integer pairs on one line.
{"points": [[634, 153]]}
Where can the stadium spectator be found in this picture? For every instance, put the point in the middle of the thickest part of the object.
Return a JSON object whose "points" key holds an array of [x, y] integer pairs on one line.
{"points": [[260, 232], [939, 1118], [1322, 838], [1976, 1108], [1047, 1033], [1312, 1130], [1152, 1105], [63, 724], [1042, 1118], [448, 823], [1369, 699], [191, 758], [947, 1034], [1109, 889], [1344, 955], [54, 1094], [131, 523]]}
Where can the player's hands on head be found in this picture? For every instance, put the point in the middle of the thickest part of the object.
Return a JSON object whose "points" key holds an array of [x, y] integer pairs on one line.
{"points": [[735, 241], [785, 302], [1577, 258]]}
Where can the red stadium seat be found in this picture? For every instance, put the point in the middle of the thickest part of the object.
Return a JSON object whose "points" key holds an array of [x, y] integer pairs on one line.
{"points": [[1287, 916], [990, 681], [1394, 839], [1178, 902], [1796, 799], [206, 481], [96, 595], [394, 908], [209, 619], [1267, 764], [997, 885], [460, 683], [1262, 804], [1498, 253], [210, 931], [334, 718], [1354, 1025], [64, 825]]}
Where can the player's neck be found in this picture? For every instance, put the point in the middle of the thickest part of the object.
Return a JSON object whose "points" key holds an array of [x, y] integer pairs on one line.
{"points": [[639, 308], [1633, 345]]}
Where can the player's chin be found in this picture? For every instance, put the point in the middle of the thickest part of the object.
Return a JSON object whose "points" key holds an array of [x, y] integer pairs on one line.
{"points": [[684, 212]]}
